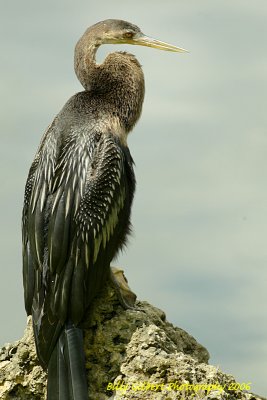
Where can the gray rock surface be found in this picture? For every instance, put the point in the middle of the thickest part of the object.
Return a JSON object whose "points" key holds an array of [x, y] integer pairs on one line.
{"points": [[130, 354]]}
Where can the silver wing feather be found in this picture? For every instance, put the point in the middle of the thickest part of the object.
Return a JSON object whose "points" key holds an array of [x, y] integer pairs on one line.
{"points": [[73, 219]]}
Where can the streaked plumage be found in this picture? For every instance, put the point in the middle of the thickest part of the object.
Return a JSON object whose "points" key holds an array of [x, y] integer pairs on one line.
{"points": [[77, 205]]}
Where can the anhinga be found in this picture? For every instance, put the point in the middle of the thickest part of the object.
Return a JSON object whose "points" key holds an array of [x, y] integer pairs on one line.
{"points": [[78, 198]]}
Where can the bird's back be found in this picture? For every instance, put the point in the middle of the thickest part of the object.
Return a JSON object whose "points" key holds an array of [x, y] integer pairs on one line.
{"points": [[76, 216]]}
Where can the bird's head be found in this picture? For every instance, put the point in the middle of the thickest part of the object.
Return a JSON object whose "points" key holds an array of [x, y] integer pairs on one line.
{"points": [[114, 31]]}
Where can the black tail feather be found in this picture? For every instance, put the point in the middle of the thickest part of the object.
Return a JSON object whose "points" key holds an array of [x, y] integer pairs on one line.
{"points": [[66, 368]]}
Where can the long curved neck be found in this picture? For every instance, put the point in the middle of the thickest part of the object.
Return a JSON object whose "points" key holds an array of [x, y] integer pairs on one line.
{"points": [[118, 81], [84, 58]]}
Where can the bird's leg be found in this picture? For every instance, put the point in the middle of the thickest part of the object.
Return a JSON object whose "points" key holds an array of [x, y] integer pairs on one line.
{"points": [[126, 297]]}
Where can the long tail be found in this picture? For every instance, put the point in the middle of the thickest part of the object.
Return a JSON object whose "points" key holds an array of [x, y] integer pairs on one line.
{"points": [[66, 368]]}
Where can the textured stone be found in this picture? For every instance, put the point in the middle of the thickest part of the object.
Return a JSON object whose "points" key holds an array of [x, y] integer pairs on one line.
{"points": [[130, 354], [20, 375]]}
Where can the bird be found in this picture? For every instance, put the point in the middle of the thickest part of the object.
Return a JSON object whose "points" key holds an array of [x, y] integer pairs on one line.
{"points": [[78, 199]]}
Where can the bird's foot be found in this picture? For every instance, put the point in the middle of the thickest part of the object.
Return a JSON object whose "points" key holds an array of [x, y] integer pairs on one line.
{"points": [[126, 297]]}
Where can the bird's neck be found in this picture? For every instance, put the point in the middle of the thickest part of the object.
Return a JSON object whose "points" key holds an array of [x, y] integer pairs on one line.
{"points": [[84, 60], [118, 82]]}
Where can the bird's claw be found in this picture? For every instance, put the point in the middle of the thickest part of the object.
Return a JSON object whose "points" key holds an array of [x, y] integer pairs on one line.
{"points": [[126, 297]]}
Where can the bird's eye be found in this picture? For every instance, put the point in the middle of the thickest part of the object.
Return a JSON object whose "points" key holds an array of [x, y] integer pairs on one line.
{"points": [[128, 35]]}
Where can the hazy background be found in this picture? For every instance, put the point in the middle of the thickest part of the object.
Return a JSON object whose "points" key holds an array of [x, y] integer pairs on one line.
{"points": [[200, 214]]}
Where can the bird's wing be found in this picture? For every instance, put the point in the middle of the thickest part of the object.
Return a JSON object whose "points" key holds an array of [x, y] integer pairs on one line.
{"points": [[74, 203], [33, 218], [90, 192]]}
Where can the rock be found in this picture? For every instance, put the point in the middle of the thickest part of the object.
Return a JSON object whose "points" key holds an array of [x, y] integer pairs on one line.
{"points": [[130, 354], [20, 375]]}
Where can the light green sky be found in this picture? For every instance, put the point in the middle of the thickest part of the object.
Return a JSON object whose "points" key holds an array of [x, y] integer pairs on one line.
{"points": [[200, 214]]}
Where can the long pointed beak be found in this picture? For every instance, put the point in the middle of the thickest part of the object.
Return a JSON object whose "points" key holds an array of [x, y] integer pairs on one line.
{"points": [[143, 40]]}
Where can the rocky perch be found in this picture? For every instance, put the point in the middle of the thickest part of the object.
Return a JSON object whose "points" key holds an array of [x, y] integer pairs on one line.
{"points": [[130, 354]]}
